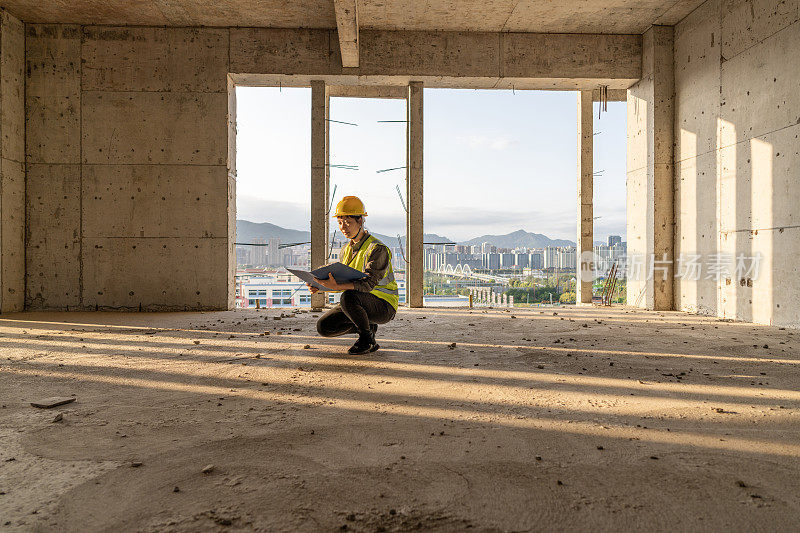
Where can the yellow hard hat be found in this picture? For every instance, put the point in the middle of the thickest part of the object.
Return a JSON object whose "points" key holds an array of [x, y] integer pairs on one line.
{"points": [[350, 206]]}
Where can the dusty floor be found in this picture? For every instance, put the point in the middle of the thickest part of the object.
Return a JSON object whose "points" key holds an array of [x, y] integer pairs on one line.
{"points": [[591, 419]]}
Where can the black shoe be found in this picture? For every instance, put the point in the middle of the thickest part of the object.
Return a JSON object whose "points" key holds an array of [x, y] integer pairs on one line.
{"points": [[364, 344]]}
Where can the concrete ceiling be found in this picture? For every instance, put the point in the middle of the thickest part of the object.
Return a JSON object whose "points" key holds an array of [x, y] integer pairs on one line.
{"points": [[549, 16]]}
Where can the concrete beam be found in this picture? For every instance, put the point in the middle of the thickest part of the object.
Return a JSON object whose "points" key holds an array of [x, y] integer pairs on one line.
{"points": [[368, 91], [347, 28], [585, 235], [612, 95], [319, 182], [438, 59], [415, 251]]}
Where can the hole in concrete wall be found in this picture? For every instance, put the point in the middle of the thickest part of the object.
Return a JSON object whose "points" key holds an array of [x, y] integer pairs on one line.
{"points": [[368, 160], [500, 183], [610, 195], [273, 161]]}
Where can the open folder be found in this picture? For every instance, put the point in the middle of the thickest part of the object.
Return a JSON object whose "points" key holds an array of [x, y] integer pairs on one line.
{"points": [[341, 273]]}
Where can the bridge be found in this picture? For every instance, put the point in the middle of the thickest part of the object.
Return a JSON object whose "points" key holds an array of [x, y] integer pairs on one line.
{"points": [[464, 271]]}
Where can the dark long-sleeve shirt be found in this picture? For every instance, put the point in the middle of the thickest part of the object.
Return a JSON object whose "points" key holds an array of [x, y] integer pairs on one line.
{"points": [[375, 266]]}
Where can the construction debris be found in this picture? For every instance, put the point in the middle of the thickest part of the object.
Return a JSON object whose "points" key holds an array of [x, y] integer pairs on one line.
{"points": [[55, 401]]}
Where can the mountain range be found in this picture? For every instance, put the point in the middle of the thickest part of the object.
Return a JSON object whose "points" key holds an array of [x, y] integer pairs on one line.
{"points": [[247, 231], [519, 239]]}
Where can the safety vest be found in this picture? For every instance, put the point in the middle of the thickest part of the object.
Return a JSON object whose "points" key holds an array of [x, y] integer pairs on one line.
{"points": [[386, 289]]}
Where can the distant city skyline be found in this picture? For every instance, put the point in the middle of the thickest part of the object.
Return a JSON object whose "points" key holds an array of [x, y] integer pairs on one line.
{"points": [[253, 232], [495, 161]]}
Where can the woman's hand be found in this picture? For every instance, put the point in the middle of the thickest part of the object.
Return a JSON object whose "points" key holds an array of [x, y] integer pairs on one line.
{"points": [[314, 290], [330, 283]]}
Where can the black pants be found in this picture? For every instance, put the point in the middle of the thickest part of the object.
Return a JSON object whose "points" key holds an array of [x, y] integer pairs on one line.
{"points": [[355, 312]]}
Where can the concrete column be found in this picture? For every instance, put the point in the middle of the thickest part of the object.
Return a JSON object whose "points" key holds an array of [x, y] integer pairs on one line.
{"points": [[414, 247], [651, 219], [662, 164], [319, 182], [585, 240]]}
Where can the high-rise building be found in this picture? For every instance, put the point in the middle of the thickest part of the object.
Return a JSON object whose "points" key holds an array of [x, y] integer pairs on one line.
{"points": [[258, 254], [550, 257], [275, 257], [614, 239], [536, 259], [491, 261], [242, 255], [566, 258]]}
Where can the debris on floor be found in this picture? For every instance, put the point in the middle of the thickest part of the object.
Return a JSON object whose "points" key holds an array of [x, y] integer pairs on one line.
{"points": [[55, 401]]}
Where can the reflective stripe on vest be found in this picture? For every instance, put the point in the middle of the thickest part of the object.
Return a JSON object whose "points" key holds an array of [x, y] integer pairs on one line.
{"points": [[386, 289]]}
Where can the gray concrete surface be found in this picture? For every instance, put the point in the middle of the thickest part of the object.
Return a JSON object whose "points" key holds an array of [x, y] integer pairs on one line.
{"points": [[12, 164], [737, 123], [586, 420], [555, 16], [127, 149]]}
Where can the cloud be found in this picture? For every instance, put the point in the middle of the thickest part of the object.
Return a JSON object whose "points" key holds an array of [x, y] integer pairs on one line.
{"points": [[483, 141]]}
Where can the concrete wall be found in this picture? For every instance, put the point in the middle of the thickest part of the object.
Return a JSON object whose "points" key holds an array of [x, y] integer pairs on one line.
{"points": [[130, 179], [127, 151], [737, 156], [130, 157], [12, 163]]}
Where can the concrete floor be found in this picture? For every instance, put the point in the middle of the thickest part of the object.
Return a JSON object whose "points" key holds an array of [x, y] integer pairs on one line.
{"points": [[578, 418]]}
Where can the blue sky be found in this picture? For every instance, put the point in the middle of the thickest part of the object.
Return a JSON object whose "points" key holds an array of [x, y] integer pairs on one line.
{"points": [[495, 161]]}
